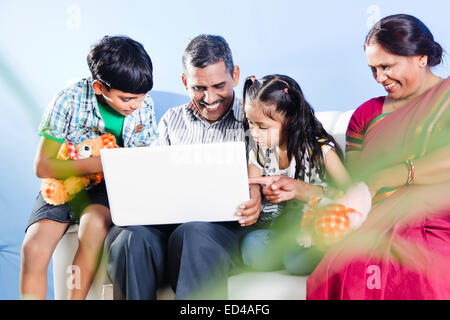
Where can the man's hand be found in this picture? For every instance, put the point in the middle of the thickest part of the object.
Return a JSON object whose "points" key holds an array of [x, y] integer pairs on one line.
{"points": [[250, 209], [282, 188]]}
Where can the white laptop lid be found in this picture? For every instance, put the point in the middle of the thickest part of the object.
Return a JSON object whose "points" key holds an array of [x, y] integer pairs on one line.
{"points": [[175, 184]]}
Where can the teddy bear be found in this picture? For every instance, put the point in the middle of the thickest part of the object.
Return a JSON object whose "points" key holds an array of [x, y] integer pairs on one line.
{"points": [[58, 192], [328, 220]]}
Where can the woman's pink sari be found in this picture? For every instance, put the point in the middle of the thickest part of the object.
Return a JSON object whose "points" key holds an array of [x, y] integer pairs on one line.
{"points": [[402, 251]]}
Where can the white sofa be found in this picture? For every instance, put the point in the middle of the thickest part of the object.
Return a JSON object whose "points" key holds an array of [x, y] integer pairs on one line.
{"points": [[276, 285]]}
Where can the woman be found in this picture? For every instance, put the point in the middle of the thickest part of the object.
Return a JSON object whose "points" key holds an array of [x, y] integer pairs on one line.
{"points": [[399, 145]]}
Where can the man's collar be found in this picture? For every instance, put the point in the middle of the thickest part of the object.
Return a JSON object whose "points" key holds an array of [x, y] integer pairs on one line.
{"points": [[237, 109]]}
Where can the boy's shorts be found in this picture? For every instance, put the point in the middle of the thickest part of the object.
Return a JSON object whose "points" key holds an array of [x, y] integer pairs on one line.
{"points": [[70, 211]]}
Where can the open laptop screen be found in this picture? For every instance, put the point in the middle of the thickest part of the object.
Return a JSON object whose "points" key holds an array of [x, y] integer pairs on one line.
{"points": [[175, 184]]}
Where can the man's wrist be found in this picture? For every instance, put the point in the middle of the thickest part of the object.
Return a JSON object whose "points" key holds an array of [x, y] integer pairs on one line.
{"points": [[308, 191], [317, 190], [255, 189]]}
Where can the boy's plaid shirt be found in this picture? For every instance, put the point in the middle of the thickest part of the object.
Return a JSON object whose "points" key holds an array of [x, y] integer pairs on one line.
{"points": [[73, 116]]}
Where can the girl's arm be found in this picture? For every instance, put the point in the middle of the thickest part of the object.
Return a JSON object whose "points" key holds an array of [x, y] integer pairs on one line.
{"points": [[47, 166], [431, 169], [336, 170], [254, 171], [352, 161]]}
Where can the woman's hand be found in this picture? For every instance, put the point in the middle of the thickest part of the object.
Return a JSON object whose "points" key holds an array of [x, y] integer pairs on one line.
{"points": [[250, 209], [282, 188], [393, 177], [432, 168]]}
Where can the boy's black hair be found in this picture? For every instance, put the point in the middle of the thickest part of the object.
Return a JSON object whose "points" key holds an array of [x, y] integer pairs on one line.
{"points": [[121, 63], [205, 50]]}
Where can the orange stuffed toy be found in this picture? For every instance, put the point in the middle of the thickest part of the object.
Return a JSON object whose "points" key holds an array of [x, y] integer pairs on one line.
{"points": [[61, 191], [326, 221]]}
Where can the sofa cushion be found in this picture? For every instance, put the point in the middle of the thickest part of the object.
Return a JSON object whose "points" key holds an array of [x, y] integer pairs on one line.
{"points": [[274, 285], [335, 123]]}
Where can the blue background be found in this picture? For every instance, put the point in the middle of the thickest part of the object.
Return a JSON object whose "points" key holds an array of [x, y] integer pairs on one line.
{"points": [[43, 44]]}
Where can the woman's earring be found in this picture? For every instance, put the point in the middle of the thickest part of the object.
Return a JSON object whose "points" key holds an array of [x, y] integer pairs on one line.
{"points": [[423, 62]]}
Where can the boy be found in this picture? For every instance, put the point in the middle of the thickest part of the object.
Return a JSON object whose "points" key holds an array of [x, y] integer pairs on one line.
{"points": [[113, 100]]}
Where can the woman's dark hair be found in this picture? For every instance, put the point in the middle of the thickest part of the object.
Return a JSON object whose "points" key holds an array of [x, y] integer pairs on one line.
{"points": [[301, 126], [207, 49], [405, 35], [121, 63]]}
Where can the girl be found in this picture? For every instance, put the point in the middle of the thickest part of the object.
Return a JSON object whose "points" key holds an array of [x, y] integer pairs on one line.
{"points": [[290, 154]]}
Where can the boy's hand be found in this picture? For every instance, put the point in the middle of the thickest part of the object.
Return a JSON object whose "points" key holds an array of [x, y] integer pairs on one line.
{"points": [[250, 209]]}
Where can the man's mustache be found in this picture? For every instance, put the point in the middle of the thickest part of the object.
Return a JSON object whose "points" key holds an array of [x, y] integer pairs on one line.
{"points": [[203, 103]]}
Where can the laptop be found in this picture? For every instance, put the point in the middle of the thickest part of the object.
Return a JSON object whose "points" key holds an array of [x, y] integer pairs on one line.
{"points": [[175, 184]]}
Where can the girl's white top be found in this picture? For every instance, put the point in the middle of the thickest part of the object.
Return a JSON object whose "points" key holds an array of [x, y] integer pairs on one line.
{"points": [[269, 165]]}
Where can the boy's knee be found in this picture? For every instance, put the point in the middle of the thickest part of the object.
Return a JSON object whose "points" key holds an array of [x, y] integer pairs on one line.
{"points": [[35, 255], [29, 249], [96, 218], [93, 225]]}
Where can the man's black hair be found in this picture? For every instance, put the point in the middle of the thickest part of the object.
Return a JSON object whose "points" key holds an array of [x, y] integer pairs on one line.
{"points": [[207, 49]]}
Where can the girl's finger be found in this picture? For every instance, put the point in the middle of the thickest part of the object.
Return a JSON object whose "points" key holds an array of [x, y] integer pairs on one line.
{"points": [[271, 193], [274, 197], [248, 211], [261, 180], [248, 221]]}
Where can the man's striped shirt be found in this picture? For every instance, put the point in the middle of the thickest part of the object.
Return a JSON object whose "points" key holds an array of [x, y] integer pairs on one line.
{"points": [[184, 125]]}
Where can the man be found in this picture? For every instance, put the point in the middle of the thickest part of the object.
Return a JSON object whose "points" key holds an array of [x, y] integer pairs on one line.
{"points": [[197, 257]]}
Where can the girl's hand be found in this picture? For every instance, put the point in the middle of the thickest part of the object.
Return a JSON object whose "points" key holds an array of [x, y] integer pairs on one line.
{"points": [[250, 209], [282, 188]]}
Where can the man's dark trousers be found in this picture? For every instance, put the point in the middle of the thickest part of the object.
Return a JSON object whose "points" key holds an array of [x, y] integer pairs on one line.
{"points": [[196, 257]]}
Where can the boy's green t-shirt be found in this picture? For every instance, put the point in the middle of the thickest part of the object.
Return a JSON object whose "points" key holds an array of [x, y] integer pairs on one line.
{"points": [[113, 122]]}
